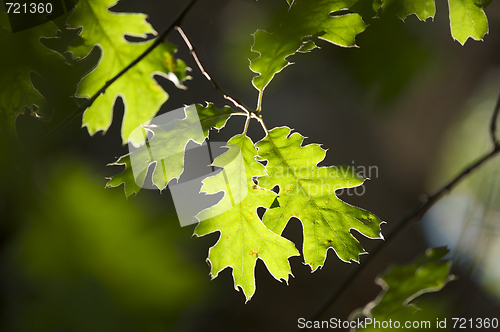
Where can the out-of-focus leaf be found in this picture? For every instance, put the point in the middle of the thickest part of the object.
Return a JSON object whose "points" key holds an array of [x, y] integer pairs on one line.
{"points": [[307, 192], [167, 146], [483, 3], [58, 88], [21, 54], [390, 55], [243, 236], [142, 95], [305, 19], [402, 284], [87, 260]]}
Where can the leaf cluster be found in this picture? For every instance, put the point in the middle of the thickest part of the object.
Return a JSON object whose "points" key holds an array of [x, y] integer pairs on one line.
{"points": [[277, 174]]}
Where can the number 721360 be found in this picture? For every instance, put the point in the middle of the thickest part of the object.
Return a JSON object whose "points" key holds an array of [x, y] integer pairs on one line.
{"points": [[478, 323], [31, 8]]}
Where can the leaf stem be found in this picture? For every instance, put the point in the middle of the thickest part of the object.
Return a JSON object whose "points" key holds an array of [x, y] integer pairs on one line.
{"points": [[259, 102], [250, 113], [411, 217], [247, 122], [217, 87], [82, 107]]}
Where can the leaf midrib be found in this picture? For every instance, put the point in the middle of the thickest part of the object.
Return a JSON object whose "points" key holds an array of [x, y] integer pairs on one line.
{"points": [[308, 196], [103, 31]]}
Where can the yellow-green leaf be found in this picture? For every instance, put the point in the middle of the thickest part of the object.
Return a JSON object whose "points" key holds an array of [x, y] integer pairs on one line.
{"points": [[166, 147], [423, 9], [243, 236], [142, 95], [305, 18], [467, 20], [307, 192]]}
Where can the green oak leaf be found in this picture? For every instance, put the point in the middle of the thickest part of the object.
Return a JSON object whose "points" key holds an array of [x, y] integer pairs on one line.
{"points": [[403, 284], [166, 147], [141, 94], [305, 18], [126, 177], [467, 20], [423, 9], [307, 192], [243, 236], [22, 53]]}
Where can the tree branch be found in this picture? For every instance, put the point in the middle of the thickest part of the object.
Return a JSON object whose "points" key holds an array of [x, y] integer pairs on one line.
{"points": [[82, 107], [217, 87], [493, 124], [413, 216]]}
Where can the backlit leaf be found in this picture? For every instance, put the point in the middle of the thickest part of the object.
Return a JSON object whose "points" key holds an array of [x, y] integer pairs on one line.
{"points": [[467, 19], [423, 9], [307, 192], [305, 18], [166, 147], [142, 95], [243, 236]]}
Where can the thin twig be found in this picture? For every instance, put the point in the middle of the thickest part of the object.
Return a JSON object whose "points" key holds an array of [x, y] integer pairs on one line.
{"points": [[493, 124], [413, 216], [261, 121], [217, 87], [82, 107]]}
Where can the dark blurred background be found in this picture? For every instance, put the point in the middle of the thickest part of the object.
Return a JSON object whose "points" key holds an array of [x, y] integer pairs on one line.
{"points": [[409, 101]]}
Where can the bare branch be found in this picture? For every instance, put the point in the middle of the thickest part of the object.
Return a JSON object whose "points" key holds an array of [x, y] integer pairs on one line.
{"points": [[493, 124], [413, 216]]}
